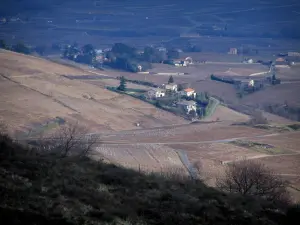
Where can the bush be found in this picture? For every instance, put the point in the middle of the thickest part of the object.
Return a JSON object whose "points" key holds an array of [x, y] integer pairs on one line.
{"points": [[252, 178], [39, 188]]}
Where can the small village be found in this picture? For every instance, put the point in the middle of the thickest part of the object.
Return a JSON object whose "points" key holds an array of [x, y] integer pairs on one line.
{"points": [[180, 99]]}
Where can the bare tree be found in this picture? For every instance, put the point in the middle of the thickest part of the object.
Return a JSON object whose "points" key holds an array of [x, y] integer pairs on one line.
{"points": [[69, 140], [253, 178], [257, 118]]}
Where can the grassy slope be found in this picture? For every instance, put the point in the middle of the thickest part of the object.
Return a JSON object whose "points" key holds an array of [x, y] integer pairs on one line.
{"points": [[43, 189]]}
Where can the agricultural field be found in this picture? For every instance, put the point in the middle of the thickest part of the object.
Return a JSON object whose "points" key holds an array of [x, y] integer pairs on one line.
{"points": [[146, 158], [34, 89], [143, 23]]}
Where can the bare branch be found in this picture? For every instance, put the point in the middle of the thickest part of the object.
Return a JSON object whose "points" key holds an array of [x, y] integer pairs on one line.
{"points": [[253, 178], [69, 140]]}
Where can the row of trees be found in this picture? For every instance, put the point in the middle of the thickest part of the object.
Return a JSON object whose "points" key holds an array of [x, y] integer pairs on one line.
{"points": [[20, 47], [85, 54]]}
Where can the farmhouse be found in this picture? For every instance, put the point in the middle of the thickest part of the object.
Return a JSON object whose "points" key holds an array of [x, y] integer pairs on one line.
{"points": [[293, 60], [161, 49], [187, 105], [294, 54], [189, 92], [233, 51], [281, 63], [183, 62], [244, 83], [249, 61], [171, 87], [156, 93]]}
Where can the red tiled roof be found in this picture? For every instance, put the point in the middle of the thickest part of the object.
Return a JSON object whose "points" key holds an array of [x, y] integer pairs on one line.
{"points": [[189, 90], [280, 60]]}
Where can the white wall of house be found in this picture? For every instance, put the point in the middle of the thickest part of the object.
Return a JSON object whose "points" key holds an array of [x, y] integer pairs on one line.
{"points": [[189, 93], [172, 87], [156, 93]]}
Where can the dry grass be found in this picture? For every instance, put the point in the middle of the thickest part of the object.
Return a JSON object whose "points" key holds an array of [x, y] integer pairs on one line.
{"points": [[147, 158], [223, 113], [35, 91]]}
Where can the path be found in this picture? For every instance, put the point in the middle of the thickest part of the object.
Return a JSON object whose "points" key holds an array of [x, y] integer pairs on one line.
{"points": [[185, 161]]}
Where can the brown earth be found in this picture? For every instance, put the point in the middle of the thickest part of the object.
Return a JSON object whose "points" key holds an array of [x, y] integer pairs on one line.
{"points": [[33, 89]]}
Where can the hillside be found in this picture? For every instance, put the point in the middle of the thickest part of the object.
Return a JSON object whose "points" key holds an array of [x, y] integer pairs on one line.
{"points": [[34, 92], [39, 188]]}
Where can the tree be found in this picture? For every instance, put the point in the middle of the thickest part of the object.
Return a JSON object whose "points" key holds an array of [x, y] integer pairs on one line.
{"points": [[152, 55], [69, 140], [3, 44], [173, 54], [40, 49], [180, 87], [253, 178], [71, 51], [122, 86], [123, 49], [21, 48], [89, 50], [171, 80]]}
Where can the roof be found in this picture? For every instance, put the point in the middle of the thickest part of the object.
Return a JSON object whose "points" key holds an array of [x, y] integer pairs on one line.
{"points": [[280, 60], [172, 84], [157, 90], [189, 90], [184, 102]]}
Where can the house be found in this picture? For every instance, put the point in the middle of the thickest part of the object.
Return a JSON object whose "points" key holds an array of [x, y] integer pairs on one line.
{"points": [[293, 60], [233, 51], [99, 58], [99, 51], [294, 54], [250, 61], [281, 63], [183, 62], [171, 87], [187, 105], [244, 83], [189, 92], [156, 93], [161, 49]]}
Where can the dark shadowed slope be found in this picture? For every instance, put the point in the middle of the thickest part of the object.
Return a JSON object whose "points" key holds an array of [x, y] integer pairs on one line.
{"points": [[39, 189]]}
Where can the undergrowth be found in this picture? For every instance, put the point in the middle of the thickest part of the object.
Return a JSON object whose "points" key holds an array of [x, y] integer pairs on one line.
{"points": [[42, 188]]}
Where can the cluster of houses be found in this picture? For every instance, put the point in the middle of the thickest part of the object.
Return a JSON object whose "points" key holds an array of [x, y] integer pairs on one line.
{"points": [[162, 91]]}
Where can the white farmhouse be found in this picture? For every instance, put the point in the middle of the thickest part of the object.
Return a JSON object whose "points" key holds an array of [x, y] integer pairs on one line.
{"points": [[171, 87], [187, 105], [156, 93], [189, 92]]}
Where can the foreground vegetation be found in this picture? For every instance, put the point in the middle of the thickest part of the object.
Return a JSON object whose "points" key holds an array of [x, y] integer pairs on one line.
{"points": [[39, 187]]}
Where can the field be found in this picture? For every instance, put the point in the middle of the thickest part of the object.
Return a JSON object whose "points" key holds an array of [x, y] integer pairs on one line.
{"points": [[147, 158], [33, 89]]}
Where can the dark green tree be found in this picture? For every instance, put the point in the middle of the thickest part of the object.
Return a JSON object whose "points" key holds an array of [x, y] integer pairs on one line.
{"points": [[152, 55], [171, 80], [89, 50], [71, 51], [40, 49], [122, 86], [180, 87], [123, 49], [173, 54], [21, 48], [3, 44]]}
